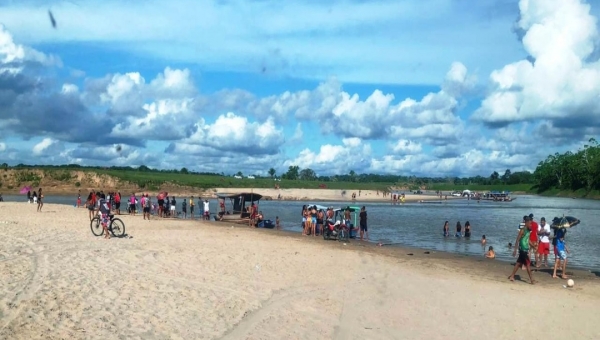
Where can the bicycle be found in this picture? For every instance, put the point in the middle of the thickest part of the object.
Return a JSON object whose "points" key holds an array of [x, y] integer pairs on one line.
{"points": [[116, 226]]}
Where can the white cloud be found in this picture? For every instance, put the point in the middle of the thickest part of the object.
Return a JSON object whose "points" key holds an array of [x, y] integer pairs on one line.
{"points": [[534, 108], [235, 133], [43, 146], [406, 147], [352, 154], [561, 83]]}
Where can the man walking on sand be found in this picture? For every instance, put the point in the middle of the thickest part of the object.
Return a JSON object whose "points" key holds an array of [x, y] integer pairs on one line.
{"points": [[523, 243]]}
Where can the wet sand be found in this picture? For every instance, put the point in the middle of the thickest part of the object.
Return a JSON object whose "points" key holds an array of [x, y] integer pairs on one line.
{"points": [[174, 279]]}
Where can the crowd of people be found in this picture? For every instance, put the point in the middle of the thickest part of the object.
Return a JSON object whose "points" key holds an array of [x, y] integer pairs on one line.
{"points": [[315, 219], [163, 207], [532, 245], [534, 240]]}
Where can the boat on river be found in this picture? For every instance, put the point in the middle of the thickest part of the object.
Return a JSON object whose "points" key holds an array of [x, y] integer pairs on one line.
{"points": [[496, 196], [239, 209]]}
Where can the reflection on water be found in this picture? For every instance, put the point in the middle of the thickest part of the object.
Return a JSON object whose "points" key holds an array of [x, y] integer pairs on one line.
{"points": [[420, 225]]}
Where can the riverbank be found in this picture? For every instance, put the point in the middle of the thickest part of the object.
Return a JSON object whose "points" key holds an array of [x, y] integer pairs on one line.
{"points": [[189, 279]]}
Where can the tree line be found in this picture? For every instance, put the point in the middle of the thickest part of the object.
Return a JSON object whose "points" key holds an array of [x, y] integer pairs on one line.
{"points": [[571, 171]]}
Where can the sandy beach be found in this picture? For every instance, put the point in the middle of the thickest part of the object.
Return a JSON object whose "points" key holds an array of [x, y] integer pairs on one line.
{"points": [[173, 279]]}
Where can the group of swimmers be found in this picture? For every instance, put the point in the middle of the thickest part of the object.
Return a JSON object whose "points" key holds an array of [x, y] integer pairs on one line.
{"points": [[458, 229]]}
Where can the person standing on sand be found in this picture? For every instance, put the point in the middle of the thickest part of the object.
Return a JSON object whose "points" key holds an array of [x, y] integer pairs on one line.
{"points": [[533, 237], [118, 203], [184, 209], [363, 223], [146, 203], [544, 245], [79, 199], [523, 241], [40, 200], [561, 252]]}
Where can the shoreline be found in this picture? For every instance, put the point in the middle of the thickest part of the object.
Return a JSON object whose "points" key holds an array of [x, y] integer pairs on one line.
{"points": [[367, 244], [185, 280]]}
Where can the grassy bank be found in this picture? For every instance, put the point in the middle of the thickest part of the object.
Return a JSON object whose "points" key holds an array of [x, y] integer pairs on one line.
{"points": [[594, 194]]}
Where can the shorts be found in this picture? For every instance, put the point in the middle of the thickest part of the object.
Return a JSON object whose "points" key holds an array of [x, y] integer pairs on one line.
{"points": [[104, 220], [523, 258], [191, 209], [363, 227], [118, 205], [172, 208], [544, 248], [562, 255], [314, 220], [184, 209], [90, 207], [132, 207], [206, 213], [147, 210], [303, 219]]}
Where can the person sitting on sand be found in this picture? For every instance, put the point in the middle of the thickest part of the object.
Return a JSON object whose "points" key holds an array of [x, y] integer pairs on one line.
{"points": [[446, 229], [483, 240], [491, 254]]}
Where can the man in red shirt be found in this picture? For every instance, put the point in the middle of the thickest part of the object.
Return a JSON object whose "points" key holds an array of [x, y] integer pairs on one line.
{"points": [[533, 239]]}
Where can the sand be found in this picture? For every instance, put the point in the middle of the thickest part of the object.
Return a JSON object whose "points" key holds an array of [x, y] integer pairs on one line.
{"points": [[207, 280]]}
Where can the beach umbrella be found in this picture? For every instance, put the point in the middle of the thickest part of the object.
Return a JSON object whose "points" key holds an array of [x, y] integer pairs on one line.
{"points": [[565, 222], [25, 189]]}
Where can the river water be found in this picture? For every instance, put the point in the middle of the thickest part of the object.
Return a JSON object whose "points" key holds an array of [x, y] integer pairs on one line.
{"points": [[420, 225]]}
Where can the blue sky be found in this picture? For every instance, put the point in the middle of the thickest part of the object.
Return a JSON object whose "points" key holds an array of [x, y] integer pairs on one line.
{"points": [[434, 87]]}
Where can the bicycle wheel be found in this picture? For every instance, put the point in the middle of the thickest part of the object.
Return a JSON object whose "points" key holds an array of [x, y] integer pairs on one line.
{"points": [[117, 227], [96, 227]]}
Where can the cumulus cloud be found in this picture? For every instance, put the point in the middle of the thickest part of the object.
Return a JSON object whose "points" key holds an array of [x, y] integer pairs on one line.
{"points": [[351, 154], [535, 106], [558, 82]]}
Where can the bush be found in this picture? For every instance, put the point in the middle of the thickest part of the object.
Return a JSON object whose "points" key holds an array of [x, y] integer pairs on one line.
{"points": [[77, 184]]}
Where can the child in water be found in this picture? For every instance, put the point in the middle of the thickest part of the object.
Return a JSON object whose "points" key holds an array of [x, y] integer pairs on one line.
{"points": [[483, 240], [490, 253], [277, 223]]}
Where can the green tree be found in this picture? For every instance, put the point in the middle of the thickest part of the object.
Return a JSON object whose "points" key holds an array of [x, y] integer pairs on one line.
{"points": [[352, 175], [506, 176], [293, 172], [272, 172], [184, 171], [239, 173], [4, 166], [494, 176], [143, 168], [308, 175]]}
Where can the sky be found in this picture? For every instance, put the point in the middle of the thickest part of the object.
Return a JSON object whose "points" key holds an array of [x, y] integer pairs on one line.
{"points": [[427, 88]]}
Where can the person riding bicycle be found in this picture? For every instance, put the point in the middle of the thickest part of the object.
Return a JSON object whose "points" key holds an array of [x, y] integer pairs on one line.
{"points": [[104, 209]]}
